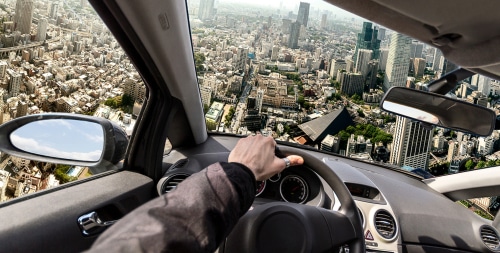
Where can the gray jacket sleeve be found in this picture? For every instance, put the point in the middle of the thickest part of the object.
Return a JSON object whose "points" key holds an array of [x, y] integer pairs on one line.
{"points": [[196, 217]]}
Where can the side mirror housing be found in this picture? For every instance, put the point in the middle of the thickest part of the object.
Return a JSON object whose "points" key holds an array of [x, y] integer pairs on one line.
{"points": [[63, 138]]}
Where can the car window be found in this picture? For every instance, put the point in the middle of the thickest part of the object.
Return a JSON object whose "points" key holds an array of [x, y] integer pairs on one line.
{"points": [[62, 60], [312, 74]]}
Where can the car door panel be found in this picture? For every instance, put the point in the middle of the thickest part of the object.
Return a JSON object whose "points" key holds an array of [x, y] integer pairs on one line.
{"points": [[48, 222]]}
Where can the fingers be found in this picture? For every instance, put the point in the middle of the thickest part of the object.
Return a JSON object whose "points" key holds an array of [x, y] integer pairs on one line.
{"points": [[295, 160]]}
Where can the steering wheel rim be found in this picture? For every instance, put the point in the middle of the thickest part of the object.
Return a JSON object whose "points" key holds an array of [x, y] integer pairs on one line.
{"points": [[247, 234]]}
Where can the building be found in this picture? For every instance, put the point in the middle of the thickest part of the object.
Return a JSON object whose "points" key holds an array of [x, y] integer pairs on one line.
{"points": [[52, 10], [364, 56], [135, 89], [485, 145], [15, 81], [358, 145], [371, 75], [23, 16], [330, 143], [411, 144], [293, 39], [206, 10], [303, 15], [214, 115], [41, 34], [351, 83], [419, 67], [384, 54], [416, 49], [323, 23], [337, 65], [396, 70], [240, 59], [368, 39], [436, 60], [331, 123], [206, 95]]}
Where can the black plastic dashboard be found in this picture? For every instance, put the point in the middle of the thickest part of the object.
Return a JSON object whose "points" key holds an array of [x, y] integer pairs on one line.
{"points": [[400, 213]]}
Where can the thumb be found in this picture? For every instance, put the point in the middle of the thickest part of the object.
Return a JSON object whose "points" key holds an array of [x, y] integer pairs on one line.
{"points": [[295, 160]]}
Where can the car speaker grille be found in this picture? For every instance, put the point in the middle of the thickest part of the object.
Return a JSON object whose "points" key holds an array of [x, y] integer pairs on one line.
{"points": [[490, 238], [171, 183], [385, 224]]}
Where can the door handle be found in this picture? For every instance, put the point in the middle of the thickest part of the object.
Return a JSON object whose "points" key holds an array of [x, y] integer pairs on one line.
{"points": [[91, 224]]}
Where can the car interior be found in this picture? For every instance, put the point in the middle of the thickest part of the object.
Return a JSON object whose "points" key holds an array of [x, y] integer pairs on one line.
{"points": [[371, 206]]}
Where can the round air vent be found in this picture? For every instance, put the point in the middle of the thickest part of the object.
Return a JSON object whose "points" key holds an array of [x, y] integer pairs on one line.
{"points": [[385, 224], [490, 238], [171, 182]]}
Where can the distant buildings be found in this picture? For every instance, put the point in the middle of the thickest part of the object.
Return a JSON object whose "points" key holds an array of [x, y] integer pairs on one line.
{"points": [[411, 144], [368, 39], [23, 16], [206, 10], [303, 15], [396, 71]]}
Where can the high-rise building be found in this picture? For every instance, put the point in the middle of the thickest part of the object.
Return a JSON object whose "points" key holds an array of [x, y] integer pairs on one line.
{"points": [[419, 67], [14, 82], [335, 66], [483, 85], [206, 10], [240, 59], [437, 58], [322, 25], [303, 15], [364, 56], [351, 83], [371, 75], [274, 53], [384, 54], [411, 144], [416, 49], [368, 39], [258, 99], [3, 69], [52, 10], [396, 70], [41, 29], [286, 26], [293, 39], [23, 16]]}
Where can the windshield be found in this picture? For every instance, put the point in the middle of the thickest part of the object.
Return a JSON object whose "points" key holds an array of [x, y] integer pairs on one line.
{"points": [[313, 74]]}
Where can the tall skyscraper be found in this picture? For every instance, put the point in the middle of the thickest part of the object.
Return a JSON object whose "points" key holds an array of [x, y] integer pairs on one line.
{"points": [[367, 39], [437, 59], [303, 15], [411, 144], [206, 10], [419, 66], [364, 56], [42, 29], [293, 39], [14, 82], [322, 25], [23, 16], [384, 54], [240, 59], [396, 70], [52, 10], [335, 66], [351, 83]]}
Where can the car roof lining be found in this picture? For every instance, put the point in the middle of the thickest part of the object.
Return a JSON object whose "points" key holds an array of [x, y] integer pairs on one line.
{"points": [[474, 40]]}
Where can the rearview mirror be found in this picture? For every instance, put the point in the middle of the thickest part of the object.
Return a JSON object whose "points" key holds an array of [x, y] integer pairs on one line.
{"points": [[439, 110]]}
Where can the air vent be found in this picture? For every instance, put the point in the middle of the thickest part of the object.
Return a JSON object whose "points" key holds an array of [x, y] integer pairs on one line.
{"points": [[385, 224], [172, 181], [490, 238]]}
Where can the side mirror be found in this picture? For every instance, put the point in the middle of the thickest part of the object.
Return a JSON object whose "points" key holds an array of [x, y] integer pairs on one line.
{"points": [[439, 110], [65, 139]]}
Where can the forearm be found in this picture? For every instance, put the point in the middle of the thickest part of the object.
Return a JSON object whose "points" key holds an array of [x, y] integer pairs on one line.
{"points": [[195, 217]]}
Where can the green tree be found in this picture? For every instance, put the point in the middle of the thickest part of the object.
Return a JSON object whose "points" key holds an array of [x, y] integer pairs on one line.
{"points": [[199, 60], [470, 165]]}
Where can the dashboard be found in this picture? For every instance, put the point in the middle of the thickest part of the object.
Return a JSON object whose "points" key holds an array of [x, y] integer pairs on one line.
{"points": [[399, 212]]}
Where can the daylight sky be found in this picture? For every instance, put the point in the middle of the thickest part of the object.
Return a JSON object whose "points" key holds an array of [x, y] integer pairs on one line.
{"points": [[69, 139]]}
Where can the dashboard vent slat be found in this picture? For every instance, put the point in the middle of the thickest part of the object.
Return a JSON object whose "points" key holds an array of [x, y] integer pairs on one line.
{"points": [[490, 238], [171, 183], [385, 224]]}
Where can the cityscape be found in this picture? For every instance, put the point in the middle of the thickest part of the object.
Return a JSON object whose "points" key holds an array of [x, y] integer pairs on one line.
{"points": [[297, 71]]}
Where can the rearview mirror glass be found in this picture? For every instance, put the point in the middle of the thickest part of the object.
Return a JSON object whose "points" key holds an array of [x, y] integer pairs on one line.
{"points": [[439, 110], [61, 138]]}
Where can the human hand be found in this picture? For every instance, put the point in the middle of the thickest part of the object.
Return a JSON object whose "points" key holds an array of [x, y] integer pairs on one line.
{"points": [[257, 153]]}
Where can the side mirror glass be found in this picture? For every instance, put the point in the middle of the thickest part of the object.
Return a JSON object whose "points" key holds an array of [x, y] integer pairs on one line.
{"points": [[439, 110], [61, 138]]}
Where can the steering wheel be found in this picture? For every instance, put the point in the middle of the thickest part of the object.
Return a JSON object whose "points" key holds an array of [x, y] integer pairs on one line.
{"points": [[288, 227]]}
